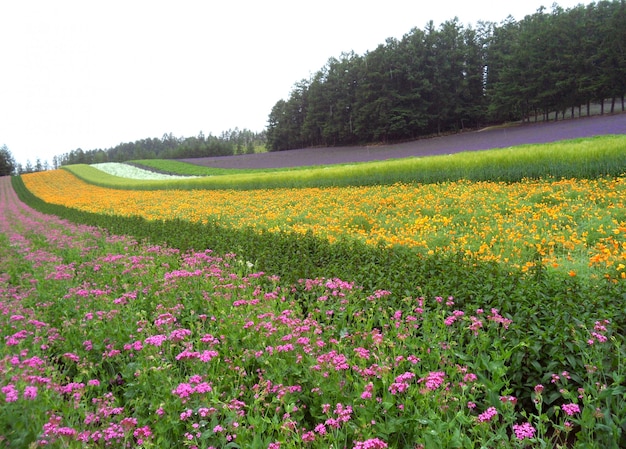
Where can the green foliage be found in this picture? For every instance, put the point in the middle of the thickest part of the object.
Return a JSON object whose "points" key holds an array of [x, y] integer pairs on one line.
{"points": [[173, 167]]}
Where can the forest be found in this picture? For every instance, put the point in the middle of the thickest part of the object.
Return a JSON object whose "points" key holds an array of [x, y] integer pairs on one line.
{"points": [[453, 77], [234, 141]]}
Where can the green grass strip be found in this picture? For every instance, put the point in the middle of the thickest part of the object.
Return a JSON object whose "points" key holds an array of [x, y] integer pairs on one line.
{"points": [[578, 158], [174, 167]]}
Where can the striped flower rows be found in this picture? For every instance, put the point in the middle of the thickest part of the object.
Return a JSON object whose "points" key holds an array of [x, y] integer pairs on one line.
{"points": [[568, 224]]}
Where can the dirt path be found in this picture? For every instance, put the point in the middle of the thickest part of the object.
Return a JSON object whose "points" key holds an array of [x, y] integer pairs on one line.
{"points": [[469, 141]]}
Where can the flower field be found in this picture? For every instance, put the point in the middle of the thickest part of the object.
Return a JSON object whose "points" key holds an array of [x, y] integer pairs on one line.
{"points": [[129, 171], [113, 343], [575, 226]]}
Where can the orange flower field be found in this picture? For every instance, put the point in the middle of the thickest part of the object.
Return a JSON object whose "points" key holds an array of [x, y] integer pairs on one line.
{"points": [[571, 225]]}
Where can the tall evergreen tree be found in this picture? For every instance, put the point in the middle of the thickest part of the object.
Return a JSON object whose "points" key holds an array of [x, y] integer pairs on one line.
{"points": [[7, 163]]}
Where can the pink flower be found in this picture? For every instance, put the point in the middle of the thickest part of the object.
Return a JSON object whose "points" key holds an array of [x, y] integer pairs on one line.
{"points": [[10, 393], [156, 340], [30, 392], [367, 394], [524, 430], [470, 377], [362, 353], [487, 415], [374, 443], [433, 380], [570, 409]]}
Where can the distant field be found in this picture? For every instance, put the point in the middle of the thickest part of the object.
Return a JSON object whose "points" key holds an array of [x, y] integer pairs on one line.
{"points": [[583, 158], [501, 137]]}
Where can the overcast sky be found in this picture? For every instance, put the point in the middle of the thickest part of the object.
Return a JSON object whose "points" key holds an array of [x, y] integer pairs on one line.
{"points": [[86, 74]]}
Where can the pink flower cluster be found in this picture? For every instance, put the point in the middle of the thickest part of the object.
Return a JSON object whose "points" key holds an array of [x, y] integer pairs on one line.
{"points": [[195, 385], [401, 383], [599, 332], [487, 415], [374, 443], [433, 381], [524, 430], [570, 409]]}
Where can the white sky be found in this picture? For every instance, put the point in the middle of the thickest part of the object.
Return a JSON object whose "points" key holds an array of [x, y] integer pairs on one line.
{"points": [[86, 74]]}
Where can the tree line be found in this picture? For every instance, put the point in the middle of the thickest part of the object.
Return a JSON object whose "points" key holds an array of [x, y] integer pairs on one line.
{"points": [[169, 146], [451, 77], [231, 142]]}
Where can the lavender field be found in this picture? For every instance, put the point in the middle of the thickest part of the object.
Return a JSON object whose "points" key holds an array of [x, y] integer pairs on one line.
{"points": [[499, 137]]}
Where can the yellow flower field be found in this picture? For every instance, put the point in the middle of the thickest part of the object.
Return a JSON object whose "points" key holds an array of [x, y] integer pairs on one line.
{"points": [[568, 224]]}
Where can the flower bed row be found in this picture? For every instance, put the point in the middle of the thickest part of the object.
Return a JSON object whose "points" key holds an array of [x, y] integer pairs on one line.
{"points": [[574, 226]]}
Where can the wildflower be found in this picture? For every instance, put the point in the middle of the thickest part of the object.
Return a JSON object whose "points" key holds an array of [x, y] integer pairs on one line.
{"points": [[374, 443], [524, 430], [30, 392], [179, 334], [570, 409], [156, 340], [470, 377], [206, 356], [434, 380], [497, 318], [487, 415], [144, 432], [362, 353], [511, 399], [73, 357], [367, 394], [10, 393], [538, 388]]}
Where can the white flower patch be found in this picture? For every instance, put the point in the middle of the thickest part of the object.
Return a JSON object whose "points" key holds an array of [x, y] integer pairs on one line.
{"points": [[132, 172]]}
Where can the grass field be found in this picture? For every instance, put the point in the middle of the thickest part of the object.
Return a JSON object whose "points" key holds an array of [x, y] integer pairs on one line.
{"points": [[454, 313]]}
